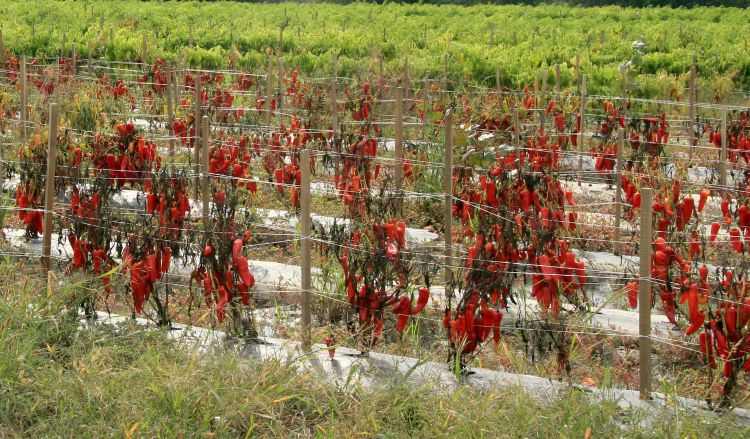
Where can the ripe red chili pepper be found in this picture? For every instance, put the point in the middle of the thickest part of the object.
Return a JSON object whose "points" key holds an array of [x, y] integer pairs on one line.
{"points": [[714, 231], [730, 318], [237, 248], [402, 310], [735, 238], [243, 270], [424, 296], [632, 288], [705, 193], [152, 269], [166, 258]]}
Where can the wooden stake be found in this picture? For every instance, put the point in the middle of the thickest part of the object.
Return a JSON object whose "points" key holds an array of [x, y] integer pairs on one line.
{"points": [[170, 109], [24, 100], [269, 89], [399, 140], [543, 100], [49, 188], [305, 255], [280, 93], [644, 295], [90, 55], [582, 116], [427, 105], [497, 81], [618, 188], [517, 137], [445, 73], [448, 207], [723, 153], [144, 52], [624, 109], [557, 78], [691, 112], [335, 119], [206, 177], [196, 143]]}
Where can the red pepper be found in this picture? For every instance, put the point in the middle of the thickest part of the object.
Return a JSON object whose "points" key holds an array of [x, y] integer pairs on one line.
{"points": [[150, 203], [166, 258], [402, 310], [237, 248], [221, 303], [705, 193], [424, 296], [688, 206], [152, 269], [730, 318], [714, 231], [696, 322], [243, 269], [725, 208], [707, 348], [632, 288], [735, 239]]}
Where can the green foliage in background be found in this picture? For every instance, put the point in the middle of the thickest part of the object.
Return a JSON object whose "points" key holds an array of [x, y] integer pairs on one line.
{"points": [[526, 38]]}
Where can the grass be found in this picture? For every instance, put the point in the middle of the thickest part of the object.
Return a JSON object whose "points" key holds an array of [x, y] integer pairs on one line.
{"points": [[58, 380]]}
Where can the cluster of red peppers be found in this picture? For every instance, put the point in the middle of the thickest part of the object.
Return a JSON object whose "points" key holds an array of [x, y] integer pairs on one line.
{"points": [[374, 261], [125, 157], [225, 275]]}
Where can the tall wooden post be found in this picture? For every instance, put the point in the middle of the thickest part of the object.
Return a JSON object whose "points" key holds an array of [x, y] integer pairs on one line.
{"points": [[144, 53], [618, 188], [427, 105], [196, 141], [305, 255], [448, 206], [280, 93], [49, 187], [170, 109], [335, 120], [269, 90], [89, 58], [445, 73], [517, 137], [557, 78], [723, 153], [543, 100], [644, 295], [497, 81], [581, 137], [24, 100], [206, 176], [398, 172], [691, 111], [624, 85]]}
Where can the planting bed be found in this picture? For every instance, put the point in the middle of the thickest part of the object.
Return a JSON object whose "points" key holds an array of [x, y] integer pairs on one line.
{"points": [[471, 225]]}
